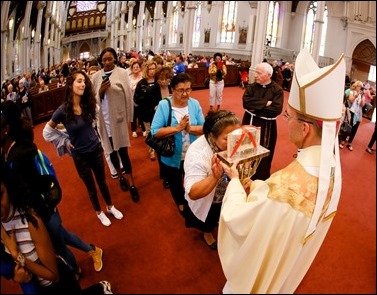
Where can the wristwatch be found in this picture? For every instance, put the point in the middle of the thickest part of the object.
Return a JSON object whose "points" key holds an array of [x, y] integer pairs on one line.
{"points": [[20, 259]]}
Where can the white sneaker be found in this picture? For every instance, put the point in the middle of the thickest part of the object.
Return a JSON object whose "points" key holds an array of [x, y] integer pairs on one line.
{"points": [[117, 214], [145, 133], [134, 134], [104, 219], [106, 287]]}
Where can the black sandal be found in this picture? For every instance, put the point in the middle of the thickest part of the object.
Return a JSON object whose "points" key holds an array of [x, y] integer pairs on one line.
{"points": [[213, 246]]}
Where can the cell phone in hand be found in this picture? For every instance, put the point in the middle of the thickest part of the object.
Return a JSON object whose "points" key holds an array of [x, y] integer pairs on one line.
{"points": [[105, 77]]}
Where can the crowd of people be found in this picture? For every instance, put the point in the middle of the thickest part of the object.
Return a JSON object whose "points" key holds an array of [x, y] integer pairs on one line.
{"points": [[107, 99], [359, 99]]}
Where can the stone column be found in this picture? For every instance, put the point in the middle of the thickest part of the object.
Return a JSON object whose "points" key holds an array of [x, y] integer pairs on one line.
{"points": [[37, 37], [189, 26], [112, 29], [116, 32], [318, 30], [122, 28], [259, 36], [130, 25], [25, 44], [52, 41], [5, 42], [57, 43], [140, 27], [370, 11], [157, 27], [4, 56], [46, 36]]}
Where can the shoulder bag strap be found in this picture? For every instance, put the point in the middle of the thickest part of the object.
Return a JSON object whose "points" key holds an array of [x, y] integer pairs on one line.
{"points": [[169, 118], [42, 167]]}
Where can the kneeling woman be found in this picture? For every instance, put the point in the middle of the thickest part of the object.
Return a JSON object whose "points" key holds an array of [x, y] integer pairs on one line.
{"points": [[205, 183]]}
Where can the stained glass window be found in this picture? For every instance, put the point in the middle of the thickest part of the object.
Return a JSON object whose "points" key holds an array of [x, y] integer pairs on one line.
{"points": [[310, 26], [272, 23], [228, 24], [86, 5], [198, 12]]}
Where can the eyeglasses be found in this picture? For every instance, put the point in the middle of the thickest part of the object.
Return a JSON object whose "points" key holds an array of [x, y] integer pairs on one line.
{"points": [[180, 90], [288, 117]]}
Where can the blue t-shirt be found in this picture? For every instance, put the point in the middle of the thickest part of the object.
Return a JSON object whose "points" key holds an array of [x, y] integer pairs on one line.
{"points": [[179, 68], [81, 133]]}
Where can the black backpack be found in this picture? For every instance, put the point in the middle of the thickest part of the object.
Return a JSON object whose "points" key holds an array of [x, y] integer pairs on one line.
{"points": [[46, 186], [49, 188]]}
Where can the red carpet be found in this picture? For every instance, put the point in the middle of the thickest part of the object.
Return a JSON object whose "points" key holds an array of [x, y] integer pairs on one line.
{"points": [[151, 251]]}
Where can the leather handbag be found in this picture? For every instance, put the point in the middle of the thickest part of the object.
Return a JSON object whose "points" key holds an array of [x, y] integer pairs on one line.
{"points": [[345, 128], [163, 146]]}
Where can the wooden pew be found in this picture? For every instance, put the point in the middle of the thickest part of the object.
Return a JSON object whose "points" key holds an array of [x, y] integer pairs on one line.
{"points": [[200, 74], [45, 103]]}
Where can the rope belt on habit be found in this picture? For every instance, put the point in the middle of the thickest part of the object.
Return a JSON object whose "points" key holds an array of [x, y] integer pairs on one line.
{"points": [[252, 116]]}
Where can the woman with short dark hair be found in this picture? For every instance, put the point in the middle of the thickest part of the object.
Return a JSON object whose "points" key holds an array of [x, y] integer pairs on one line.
{"points": [[186, 125]]}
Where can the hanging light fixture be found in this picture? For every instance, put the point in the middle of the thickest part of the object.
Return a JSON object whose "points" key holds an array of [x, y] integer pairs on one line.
{"points": [[209, 6], [10, 24]]}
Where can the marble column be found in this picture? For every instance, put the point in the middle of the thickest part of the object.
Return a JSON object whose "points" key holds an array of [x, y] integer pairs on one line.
{"points": [[116, 32], [25, 42], [5, 41], [46, 37], [37, 37], [140, 27], [57, 48], [112, 28], [259, 34], [157, 27], [52, 41], [189, 27], [318, 30], [4, 44], [130, 25], [122, 28]]}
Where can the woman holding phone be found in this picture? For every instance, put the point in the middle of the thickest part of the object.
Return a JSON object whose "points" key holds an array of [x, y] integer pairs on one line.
{"points": [[113, 92]]}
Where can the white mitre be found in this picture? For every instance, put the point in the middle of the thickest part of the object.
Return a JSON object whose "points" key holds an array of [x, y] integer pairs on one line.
{"points": [[318, 93]]}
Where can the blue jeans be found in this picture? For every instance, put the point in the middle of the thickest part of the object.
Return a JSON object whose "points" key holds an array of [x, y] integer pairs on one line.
{"points": [[61, 238]]}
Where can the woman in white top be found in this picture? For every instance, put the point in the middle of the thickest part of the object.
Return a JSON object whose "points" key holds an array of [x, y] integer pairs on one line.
{"points": [[205, 185], [357, 102], [135, 76], [11, 94]]}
